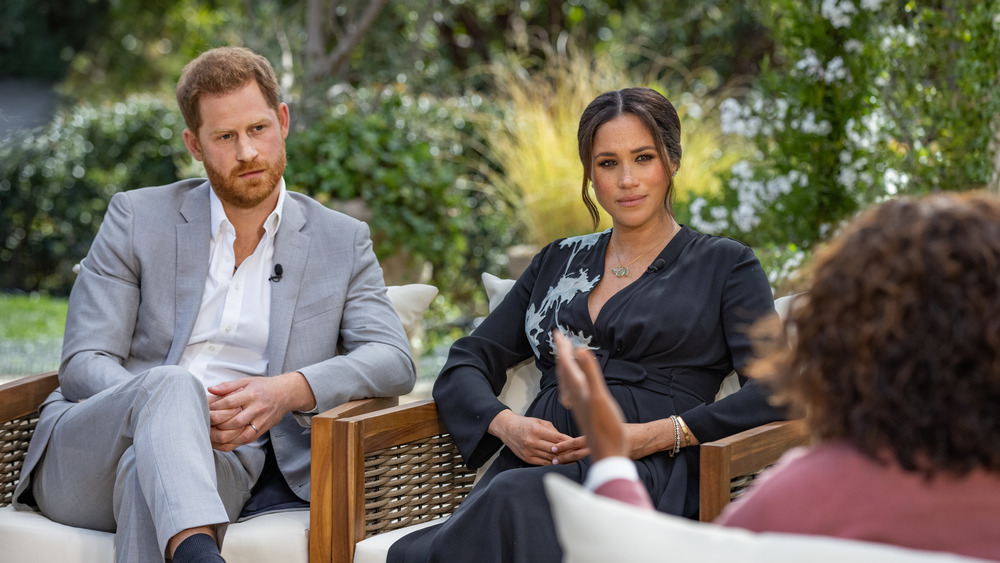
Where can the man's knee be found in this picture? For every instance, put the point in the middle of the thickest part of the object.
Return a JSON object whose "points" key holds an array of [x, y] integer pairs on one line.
{"points": [[173, 383]]}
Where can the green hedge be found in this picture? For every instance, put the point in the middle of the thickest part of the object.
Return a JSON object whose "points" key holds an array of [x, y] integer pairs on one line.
{"points": [[414, 161], [56, 181]]}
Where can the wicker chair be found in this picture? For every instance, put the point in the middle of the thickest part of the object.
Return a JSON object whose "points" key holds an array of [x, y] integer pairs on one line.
{"points": [[401, 469], [19, 401]]}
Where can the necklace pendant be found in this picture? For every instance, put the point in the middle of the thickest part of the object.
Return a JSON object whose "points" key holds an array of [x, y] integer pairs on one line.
{"points": [[620, 271]]}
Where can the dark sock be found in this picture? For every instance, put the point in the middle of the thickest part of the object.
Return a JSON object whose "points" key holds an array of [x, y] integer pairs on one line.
{"points": [[199, 548]]}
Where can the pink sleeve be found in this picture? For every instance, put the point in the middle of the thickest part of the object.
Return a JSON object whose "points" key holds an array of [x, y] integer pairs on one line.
{"points": [[627, 491]]}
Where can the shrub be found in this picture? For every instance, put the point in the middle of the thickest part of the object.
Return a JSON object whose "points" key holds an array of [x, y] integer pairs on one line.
{"points": [[414, 161], [864, 99], [56, 181]]}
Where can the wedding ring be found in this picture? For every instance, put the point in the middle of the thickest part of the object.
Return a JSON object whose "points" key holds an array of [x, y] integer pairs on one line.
{"points": [[254, 428]]}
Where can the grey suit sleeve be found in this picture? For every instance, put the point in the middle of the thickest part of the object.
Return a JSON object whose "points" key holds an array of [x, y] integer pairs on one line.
{"points": [[376, 361], [103, 307]]}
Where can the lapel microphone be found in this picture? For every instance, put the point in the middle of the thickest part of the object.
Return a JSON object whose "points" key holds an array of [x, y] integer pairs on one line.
{"points": [[277, 274], [654, 267]]}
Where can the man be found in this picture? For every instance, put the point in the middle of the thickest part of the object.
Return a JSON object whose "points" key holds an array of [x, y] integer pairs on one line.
{"points": [[202, 332]]}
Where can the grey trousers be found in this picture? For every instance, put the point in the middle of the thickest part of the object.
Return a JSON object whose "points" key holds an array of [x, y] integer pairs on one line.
{"points": [[136, 460]]}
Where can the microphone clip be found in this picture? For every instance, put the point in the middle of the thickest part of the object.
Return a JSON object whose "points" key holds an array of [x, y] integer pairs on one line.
{"points": [[277, 274]]}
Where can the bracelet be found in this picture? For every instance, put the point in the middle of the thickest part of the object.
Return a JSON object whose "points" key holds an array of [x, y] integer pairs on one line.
{"points": [[687, 434], [677, 436]]}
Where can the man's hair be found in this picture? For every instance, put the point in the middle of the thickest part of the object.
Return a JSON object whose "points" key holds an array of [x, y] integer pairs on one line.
{"points": [[653, 110], [221, 71], [896, 346]]}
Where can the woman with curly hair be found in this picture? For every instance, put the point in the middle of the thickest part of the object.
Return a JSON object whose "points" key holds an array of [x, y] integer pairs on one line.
{"points": [[893, 360]]}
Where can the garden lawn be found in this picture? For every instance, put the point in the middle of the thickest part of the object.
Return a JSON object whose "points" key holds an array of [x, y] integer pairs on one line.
{"points": [[31, 331]]}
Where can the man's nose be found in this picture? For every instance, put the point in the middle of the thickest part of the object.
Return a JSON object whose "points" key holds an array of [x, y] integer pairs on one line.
{"points": [[245, 149]]}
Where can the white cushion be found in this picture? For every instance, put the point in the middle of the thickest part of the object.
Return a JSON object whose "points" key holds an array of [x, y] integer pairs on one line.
{"points": [[410, 301], [595, 529], [376, 548], [279, 536], [29, 536]]}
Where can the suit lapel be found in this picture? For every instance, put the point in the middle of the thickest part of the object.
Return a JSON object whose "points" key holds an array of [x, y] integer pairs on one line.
{"points": [[193, 236], [291, 248]]}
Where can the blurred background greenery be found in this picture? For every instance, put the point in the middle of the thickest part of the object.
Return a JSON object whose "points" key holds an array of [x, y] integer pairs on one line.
{"points": [[450, 125]]}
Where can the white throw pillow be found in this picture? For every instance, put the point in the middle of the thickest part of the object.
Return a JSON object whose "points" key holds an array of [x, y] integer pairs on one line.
{"points": [[522, 379], [496, 288], [595, 529], [410, 301]]}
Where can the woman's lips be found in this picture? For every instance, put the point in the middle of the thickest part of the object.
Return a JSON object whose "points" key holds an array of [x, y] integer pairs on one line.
{"points": [[631, 201]]}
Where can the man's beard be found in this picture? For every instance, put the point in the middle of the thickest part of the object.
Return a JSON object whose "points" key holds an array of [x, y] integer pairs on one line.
{"points": [[251, 192]]}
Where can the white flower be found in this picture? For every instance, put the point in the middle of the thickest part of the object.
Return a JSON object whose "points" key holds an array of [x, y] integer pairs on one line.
{"points": [[835, 70], [838, 12], [871, 5], [895, 181], [810, 64]]}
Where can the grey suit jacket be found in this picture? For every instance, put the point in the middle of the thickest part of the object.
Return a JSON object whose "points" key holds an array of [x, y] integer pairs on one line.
{"points": [[135, 302]]}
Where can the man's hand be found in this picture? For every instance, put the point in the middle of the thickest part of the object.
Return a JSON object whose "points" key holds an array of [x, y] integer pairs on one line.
{"points": [[243, 409], [534, 440], [583, 391]]}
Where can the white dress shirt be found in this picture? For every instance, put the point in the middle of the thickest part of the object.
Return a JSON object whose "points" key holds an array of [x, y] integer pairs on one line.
{"points": [[230, 336]]}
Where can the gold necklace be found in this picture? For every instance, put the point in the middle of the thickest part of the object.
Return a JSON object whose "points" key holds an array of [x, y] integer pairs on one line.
{"points": [[622, 271]]}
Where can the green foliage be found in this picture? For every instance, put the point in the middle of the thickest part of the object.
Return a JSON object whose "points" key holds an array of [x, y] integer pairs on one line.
{"points": [[863, 100], [412, 160], [32, 317], [38, 37], [55, 184]]}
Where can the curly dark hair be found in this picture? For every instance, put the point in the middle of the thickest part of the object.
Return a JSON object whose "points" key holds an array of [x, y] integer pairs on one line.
{"points": [[896, 346]]}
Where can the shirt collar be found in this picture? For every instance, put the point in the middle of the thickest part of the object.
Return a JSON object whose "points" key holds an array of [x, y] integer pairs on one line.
{"points": [[271, 224]]}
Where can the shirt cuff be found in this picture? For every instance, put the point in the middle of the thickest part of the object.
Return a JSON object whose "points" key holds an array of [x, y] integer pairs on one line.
{"points": [[609, 469]]}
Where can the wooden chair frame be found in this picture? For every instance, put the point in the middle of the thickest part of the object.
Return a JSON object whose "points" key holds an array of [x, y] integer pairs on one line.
{"points": [[19, 401], [378, 490]]}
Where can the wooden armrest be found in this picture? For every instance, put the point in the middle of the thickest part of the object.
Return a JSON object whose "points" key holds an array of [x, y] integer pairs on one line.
{"points": [[743, 454], [21, 397], [19, 401], [326, 472], [394, 468]]}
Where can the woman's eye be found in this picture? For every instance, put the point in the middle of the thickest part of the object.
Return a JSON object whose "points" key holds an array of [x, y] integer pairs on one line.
{"points": [[606, 163], [644, 157]]}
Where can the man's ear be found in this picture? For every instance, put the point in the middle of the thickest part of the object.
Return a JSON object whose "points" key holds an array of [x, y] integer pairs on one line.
{"points": [[284, 120], [192, 144]]}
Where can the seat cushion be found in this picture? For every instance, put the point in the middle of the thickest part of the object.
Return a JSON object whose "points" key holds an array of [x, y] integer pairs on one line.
{"points": [[29, 536], [376, 548], [595, 529]]}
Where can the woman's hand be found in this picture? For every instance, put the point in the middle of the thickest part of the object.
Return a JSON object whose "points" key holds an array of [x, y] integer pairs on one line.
{"points": [[534, 440]]}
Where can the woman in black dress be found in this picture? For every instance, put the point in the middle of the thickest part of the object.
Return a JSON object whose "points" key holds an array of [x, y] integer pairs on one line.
{"points": [[665, 310]]}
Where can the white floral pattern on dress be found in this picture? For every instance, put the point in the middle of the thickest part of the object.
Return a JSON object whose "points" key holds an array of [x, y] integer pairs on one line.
{"points": [[568, 287]]}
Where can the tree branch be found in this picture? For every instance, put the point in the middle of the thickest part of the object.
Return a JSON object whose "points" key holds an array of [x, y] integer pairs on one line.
{"points": [[332, 63]]}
